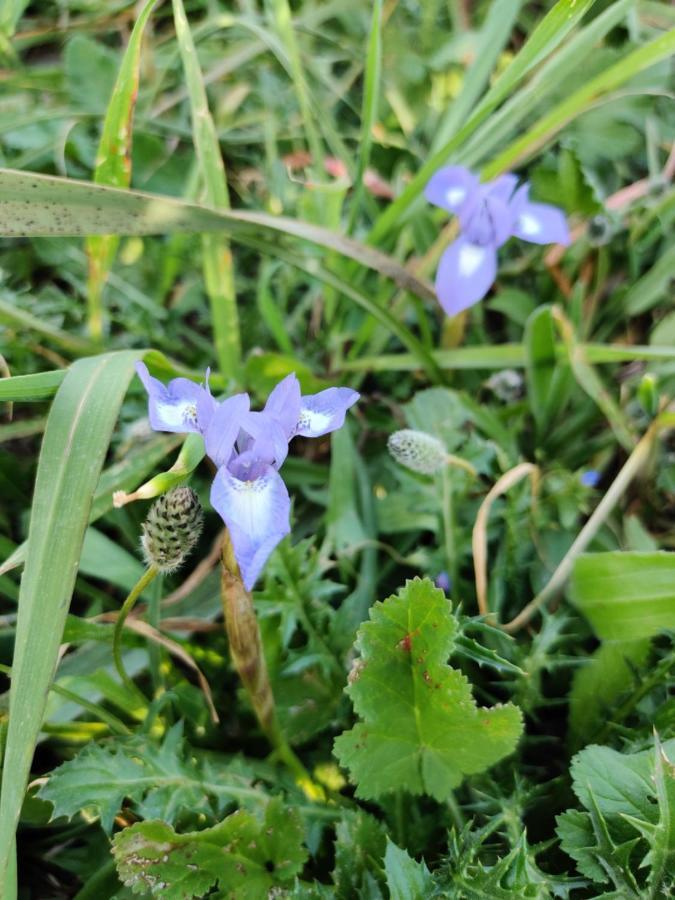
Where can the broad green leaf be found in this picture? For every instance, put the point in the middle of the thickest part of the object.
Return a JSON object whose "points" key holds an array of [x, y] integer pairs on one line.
{"points": [[10, 13], [422, 730], [105, 559], [217, 258], [246, 858], [32, 205], [597, 685], [75, 442], [343, 520], [159, 780], [625, 596], [652, 287], [113, 163], [406, 878], [620, 794]]}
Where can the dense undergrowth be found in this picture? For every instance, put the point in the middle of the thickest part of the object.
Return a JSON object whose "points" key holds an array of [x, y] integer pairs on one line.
{"points": [[467, 634]]}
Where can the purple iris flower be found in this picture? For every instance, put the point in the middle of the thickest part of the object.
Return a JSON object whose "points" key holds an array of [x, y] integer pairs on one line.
{"points": [[248, 449], [489, 214]]}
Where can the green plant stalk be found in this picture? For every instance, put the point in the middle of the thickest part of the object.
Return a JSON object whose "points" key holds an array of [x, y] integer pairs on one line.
{"points": [[246, 651], [448, 512], [616, 490], [127, 606], [284, 23]]}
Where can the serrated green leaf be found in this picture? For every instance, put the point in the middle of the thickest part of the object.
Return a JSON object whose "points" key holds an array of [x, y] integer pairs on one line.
{"points": [[159, 780], [244, 857], [422, 731], [625, 596], [407, 879], [360, 843], [575, 831]]}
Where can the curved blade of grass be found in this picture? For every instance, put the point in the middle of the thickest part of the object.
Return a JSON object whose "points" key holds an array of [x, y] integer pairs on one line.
{"points": [[499, 20], [76, 440], [21, 318], [31, 388], [217, 259], [113, 165], [10, 13], [41, 205], [371, 96], [552, 29], [581, 100], [504, 356], [494, 133]]}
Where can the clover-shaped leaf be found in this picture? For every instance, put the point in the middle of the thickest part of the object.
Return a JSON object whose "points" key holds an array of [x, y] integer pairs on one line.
{"points": [[422, 730]]}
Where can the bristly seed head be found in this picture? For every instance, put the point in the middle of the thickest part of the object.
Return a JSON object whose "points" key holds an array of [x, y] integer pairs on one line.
{"points": [[418, 451], [172, 528]]}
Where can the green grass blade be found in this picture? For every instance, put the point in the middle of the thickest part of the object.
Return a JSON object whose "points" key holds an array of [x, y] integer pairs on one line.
{"points": [[612, 78], [503, 356], [371, 96], [217, 259], [284, 24], [500, 19], [37, 205], [553, 28], [10, 13], [495, 132], [75, 443], [113, 165], [31, 388]]}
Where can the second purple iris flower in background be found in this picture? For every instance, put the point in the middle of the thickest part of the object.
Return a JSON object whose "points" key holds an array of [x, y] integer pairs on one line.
{"points": [[489, 214]]}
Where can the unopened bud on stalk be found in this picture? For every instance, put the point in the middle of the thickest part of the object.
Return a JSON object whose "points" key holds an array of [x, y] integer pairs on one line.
{"points": [[172, 528], [418, 451]]}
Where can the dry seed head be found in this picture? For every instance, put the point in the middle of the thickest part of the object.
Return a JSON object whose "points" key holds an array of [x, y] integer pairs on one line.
{"points": [[172, 528], [418, 451]]}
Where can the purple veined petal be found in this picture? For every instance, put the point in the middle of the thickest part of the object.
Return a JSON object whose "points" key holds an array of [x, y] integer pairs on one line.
{"points": [[450, 187], [206, 405], [283, 403], [265, 436], [252, 500], [539, 223], [464, 275], [223, 427], [503, 186], [486, 219], [172, 407], [324, 412]]}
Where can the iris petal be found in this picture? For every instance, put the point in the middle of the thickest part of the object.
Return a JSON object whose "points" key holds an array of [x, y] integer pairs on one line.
{"points": [[256, 510], [450, 187], [465, 274], [180, 406], [324, 412], [223, 428], [539, 223]]}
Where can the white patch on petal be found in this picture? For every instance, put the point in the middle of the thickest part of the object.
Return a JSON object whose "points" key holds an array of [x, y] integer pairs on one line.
{"points": [[470, 259], [251, 505], [311, 420], [528, 224], [174, 415], [455, 195]]}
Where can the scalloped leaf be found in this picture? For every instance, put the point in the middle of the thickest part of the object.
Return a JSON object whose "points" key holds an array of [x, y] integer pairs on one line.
{"points": [[422, 730], [244, 857]]}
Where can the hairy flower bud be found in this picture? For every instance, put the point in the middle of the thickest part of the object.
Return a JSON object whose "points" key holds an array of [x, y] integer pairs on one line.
{"points": [[418, 451], [172, 528]]}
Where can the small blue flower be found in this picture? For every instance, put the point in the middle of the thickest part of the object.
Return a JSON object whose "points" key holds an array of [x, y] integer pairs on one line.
{"points": [[248, 449], [489, 214], [443, 581], [590, 478]]}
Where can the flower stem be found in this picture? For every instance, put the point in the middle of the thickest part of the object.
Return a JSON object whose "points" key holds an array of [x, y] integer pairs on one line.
{"points": [[449, 528], [127, 606], [248, 658]]}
